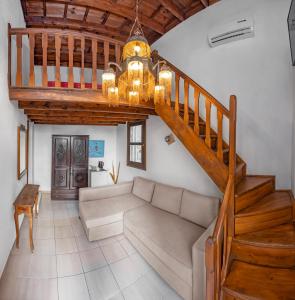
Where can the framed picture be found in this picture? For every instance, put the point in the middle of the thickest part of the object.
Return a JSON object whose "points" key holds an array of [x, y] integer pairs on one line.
{"points": [[96, 148]]}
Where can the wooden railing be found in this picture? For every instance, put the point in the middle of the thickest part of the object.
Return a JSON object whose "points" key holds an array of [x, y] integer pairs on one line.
{"points": [[219, 244], [202, 125], [63, 46]]}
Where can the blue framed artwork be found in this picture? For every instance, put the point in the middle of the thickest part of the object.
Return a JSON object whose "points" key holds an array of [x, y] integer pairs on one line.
{"points": [[96, 148]]}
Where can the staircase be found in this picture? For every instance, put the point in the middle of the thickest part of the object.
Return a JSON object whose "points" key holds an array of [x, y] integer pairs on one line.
{"points": [[251, 254]]}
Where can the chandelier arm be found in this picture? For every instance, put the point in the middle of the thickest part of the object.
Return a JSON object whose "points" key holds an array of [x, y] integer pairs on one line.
{"points": [[115, 64], [158, 64]]}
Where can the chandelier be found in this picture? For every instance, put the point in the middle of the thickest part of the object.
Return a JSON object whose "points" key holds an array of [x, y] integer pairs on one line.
{"points": [[137, 78]]}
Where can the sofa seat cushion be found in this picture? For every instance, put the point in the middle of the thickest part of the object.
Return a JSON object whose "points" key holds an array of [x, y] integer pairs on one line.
{"points": [[105, 211], [168, 236]]}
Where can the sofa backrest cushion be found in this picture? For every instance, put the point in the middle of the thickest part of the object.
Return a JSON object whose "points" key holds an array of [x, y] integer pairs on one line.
{"points": [[198, 208], [167, 198], [143, 188]]}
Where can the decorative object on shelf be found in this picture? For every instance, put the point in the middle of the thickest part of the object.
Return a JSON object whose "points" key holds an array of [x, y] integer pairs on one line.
{"points": [[113, 174], [169, 139], [137, 78], [100, 166], [93, 168], [96, 148]]}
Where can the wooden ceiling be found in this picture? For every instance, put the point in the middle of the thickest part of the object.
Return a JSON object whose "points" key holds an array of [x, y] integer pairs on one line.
{"points": [[112, 18]]}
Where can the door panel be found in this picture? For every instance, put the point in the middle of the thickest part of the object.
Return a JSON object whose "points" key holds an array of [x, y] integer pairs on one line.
{"points": [[60, 162], [79, 162], [69, 166]]}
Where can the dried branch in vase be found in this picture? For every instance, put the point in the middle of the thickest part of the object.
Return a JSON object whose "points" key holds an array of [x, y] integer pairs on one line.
{"points": [[113, 174]]}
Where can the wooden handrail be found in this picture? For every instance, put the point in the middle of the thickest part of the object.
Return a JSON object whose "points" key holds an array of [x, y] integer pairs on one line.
{"points": [[214, 101], [53, 31]]}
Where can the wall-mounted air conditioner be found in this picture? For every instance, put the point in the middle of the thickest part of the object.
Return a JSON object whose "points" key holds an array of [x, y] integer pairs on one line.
{"points": [[237, 30]]}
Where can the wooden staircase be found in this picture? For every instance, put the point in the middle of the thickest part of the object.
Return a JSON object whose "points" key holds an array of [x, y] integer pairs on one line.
{"points": [[251, 254]]}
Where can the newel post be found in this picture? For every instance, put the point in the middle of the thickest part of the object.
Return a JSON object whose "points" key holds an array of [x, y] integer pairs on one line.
{"points": [[210, 261], [232, 161]]}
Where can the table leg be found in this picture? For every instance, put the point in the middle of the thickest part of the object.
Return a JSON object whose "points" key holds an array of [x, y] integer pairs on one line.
{"points": [[30, 216], [36, 200], [16, 227]]}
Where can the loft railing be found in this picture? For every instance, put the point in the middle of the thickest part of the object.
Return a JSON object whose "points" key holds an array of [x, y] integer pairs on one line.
{"points": [[65, 46]]}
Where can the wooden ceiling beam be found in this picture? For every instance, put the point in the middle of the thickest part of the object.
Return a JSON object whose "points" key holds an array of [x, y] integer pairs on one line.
{"points": [[86, 14], [81, 119], [34, 21], [44, 8], [174, 9], [117, 9], [86, 96], [64, 113], [83, 107], [57, 122], [66, 11]]}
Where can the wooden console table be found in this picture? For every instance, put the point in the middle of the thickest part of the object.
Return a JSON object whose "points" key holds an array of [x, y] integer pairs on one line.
{"points": [[24, 203]]}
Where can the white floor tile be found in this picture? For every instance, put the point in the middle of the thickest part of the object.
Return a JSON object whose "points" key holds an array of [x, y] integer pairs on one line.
{"points": [[142, 266], [67, 245], [78, 229], [125, 272], [92, 259], [44, 232], [44, 247], [113, 252], [28, 289], [101, 284], [142, 290], [61, 222], [107, 241], [63, 232], [73, 288], [127, 246], [84, 244], [68, 264]]}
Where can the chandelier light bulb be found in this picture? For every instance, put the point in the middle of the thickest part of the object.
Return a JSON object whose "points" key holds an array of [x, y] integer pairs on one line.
{"points": [[135, 66], [137, 49]]}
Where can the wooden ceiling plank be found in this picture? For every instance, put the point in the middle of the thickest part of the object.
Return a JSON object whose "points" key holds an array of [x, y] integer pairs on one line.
{"points": [[105, 17], [33, 21], [174, 9], [117, 9]]}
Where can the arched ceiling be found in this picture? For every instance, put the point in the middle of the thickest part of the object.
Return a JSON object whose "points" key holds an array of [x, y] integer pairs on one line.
{"points": [[112, 18]]}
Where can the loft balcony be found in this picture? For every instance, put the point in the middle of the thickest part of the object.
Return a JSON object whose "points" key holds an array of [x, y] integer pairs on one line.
{"points": [[49, 67]]}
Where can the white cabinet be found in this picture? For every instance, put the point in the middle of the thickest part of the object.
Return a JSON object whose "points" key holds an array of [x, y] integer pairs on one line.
{"points": [[99, 178]]}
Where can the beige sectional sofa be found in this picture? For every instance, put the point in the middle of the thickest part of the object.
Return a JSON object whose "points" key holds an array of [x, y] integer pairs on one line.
{"points": [[167, 225]]}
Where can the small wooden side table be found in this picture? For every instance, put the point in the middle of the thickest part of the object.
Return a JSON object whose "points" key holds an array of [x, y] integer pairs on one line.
{"points": [[24, 204]]}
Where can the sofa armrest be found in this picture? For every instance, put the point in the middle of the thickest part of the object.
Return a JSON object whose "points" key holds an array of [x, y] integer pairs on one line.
{"points": [[108, 191], [199, 267]]}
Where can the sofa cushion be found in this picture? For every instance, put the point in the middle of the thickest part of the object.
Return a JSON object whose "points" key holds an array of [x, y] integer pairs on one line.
{"points": [[198, 208], [167, 198], [143, 188], [105, 211], [168, 236]]}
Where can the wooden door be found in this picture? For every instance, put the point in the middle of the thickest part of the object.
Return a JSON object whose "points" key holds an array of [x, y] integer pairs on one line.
{"points": [[69, 166]]}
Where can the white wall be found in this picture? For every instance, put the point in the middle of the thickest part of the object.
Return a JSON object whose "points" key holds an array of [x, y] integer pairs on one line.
{"points": [[257, 70], [43, 148], [10, 118], [170, 164]]}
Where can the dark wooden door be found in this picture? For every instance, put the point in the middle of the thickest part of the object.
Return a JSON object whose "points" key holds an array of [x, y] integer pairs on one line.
{"points": [[69, 166]]}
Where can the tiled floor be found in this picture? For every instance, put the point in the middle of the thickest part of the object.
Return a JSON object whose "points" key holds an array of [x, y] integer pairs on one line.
{"points": [[66, 266]]}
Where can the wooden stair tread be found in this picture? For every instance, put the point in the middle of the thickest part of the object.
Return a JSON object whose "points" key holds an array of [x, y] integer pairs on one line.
{"points": [[250, 183], [278, 236], [274, 201], [247, 281]]}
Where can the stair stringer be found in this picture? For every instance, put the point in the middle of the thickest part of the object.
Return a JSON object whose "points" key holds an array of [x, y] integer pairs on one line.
{"points": [[206, 157]]}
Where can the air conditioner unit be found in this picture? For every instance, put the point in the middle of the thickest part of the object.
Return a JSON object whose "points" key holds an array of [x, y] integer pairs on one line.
{"points": [[237, 30]]}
